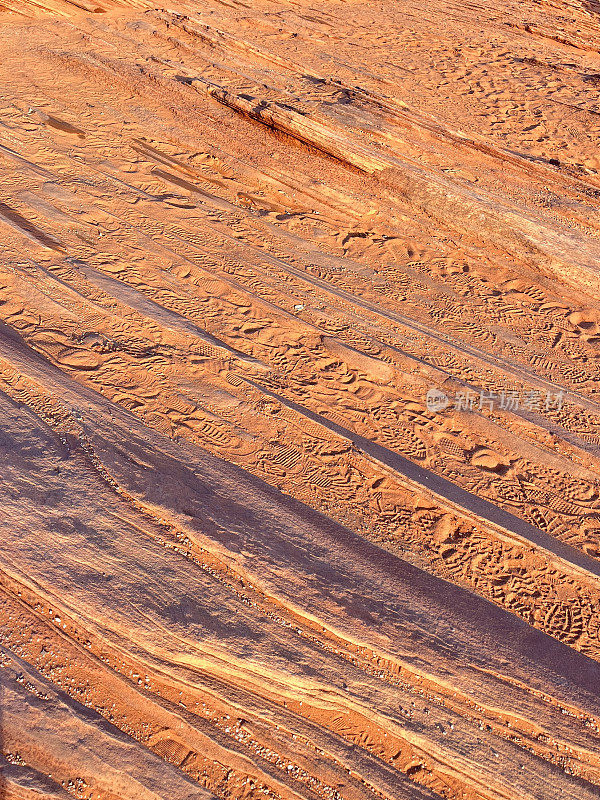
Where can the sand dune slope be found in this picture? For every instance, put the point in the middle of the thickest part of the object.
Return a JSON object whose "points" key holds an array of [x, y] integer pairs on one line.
{"points": [[242, 554]]}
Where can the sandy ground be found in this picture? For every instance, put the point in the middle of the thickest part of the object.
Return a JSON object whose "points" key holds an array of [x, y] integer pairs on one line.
{"points": [[241, 555]]}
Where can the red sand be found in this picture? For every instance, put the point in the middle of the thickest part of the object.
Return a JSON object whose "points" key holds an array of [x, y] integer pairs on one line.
{"points": [[241, 556]]}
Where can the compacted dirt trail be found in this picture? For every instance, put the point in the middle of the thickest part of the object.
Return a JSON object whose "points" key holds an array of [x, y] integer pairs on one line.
{"points": [[300, 400]]}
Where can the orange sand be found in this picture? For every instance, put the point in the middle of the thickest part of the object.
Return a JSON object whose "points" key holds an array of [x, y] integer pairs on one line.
{"points": [[240, 555]]}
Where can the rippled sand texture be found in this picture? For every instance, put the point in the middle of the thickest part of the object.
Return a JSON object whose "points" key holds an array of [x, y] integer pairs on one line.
{"points": [[239, 557]]}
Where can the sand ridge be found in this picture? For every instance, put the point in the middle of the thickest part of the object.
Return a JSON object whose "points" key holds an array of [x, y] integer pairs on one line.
{"points": [[241, 556]]}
